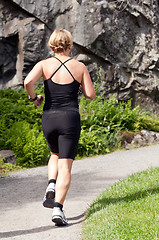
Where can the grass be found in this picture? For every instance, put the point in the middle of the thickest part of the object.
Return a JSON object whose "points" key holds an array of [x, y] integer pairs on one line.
{"points": [[129, 210]]}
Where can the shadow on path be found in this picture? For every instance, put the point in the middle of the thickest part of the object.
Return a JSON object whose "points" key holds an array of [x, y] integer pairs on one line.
{"points": [[40, 229], [25, 232], [81, 218]]}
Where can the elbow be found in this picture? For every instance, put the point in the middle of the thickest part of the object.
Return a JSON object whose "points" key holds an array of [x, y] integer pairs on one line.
{"points": [[92, 96]]}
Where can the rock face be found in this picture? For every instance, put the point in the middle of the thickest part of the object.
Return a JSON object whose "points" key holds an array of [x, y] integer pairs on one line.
{"points": [[120, 38]]}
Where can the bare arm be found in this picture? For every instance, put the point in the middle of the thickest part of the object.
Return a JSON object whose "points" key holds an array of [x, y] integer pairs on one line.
{"points": [[87, 86], [30, 81]]}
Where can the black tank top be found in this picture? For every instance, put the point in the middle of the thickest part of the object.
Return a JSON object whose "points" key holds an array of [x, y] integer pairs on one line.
{"points": [[61, 96]]}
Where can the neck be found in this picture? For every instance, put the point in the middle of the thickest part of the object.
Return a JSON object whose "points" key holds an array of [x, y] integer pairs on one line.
{"points": [[63, 54]]}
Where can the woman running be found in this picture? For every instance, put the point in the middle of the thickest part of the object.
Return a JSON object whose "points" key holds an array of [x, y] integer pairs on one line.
{"points": [[63, 76]]}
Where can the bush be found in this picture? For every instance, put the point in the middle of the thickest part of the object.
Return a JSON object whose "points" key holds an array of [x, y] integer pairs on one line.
{"points": [[28, 144], [109, 113], [20, 128], [101, 121]]}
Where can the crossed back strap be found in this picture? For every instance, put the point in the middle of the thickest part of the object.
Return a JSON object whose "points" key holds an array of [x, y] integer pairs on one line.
{"points": [[63, 64]]}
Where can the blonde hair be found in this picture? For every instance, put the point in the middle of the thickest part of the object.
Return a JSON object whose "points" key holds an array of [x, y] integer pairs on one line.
{"points": [[60, 40]]}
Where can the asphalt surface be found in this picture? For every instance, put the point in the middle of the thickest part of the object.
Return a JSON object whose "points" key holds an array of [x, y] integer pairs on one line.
{"points": [[22, 216]]}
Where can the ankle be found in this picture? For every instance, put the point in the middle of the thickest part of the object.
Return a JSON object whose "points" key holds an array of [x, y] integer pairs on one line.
{"points": [[56, 204], [52, 181]]}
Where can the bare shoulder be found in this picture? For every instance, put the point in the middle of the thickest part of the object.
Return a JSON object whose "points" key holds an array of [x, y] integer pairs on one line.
{"points": [[79, 64], [45, 61], [40, 63]]}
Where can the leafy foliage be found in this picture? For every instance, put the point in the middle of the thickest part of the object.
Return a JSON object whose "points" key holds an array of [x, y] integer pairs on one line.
{"points": [[28, 144], [101, 120], [20, 128]]}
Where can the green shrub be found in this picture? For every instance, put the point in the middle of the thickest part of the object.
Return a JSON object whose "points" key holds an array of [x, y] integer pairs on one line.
{"points": [[101, 120], [28, 144], [97, 140], [108, 113], [20, 128], [145, 121]]}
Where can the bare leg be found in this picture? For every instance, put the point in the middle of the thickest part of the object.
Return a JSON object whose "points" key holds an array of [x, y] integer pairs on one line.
{"points": [[48, 200], [63, 179], [53, 167]]}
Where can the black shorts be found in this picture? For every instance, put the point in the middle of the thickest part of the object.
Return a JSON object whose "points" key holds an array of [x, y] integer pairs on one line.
{"points": [[62, 131]]}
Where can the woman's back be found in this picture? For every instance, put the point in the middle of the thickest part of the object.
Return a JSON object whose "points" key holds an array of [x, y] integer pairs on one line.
{"points": [[62, 76], [61, 88]]}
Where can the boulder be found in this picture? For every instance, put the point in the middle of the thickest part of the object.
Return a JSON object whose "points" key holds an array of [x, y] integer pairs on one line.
{"points": [[142, 138], [8, 156], [117, 40]]}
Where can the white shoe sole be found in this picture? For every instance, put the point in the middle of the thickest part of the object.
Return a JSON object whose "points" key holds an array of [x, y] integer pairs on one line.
{"points": [[59, 221]]}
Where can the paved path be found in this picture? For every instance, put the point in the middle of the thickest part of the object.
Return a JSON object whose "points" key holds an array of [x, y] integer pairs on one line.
{"points": [[22, 216]]}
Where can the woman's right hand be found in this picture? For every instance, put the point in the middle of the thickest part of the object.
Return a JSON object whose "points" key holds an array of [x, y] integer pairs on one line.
{"points": [[39, 100]]}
